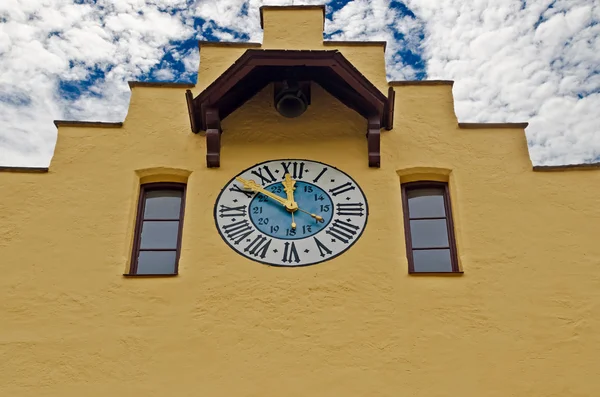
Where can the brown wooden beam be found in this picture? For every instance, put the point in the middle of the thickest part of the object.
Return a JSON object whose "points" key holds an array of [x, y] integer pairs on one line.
{"points": [[213, 137], [34, 170], [256, 68], [373, 141], [388, 116], [225, 85], [347, 96], [189, 97], [357, 81], [87, 124], [159, 84]]}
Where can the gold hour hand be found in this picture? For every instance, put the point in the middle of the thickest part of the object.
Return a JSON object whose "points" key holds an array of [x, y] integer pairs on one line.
{"points": [[252, 185], [288, 186]]}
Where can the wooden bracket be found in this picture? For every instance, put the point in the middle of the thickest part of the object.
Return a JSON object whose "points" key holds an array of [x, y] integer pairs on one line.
{"points": [[373, 141], [213, 137]]}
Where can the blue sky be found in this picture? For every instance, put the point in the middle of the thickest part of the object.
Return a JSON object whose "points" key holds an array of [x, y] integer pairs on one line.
{"points": [[511, 60]]}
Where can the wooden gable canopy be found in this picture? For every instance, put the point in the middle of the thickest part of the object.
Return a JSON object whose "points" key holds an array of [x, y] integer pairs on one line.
{"points": [[257, 68]]}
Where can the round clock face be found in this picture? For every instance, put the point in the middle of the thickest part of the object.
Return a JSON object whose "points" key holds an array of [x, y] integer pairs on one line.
{"points": [[291, 212]]}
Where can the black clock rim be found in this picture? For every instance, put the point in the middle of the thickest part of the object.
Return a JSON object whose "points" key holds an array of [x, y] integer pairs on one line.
{"points": [[215, 215]]}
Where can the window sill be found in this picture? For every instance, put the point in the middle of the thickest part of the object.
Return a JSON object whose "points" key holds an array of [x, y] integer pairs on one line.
{"points": [[149, 275], [443, 274]]}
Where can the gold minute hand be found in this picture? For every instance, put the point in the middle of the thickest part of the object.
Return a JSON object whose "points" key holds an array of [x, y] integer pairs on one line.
{"points": [[259, 189]]}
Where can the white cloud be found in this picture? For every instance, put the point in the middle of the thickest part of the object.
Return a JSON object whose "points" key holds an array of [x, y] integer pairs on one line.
{"points": [[508, 69], [45, 41], [511, 60]]}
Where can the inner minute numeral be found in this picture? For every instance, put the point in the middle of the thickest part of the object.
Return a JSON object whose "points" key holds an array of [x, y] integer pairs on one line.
{"points": [[295, 169], [349, 209], [259, 246], [342, 188], [267, 177], [238, 231], [290, 253], [232, 211], [342, 231]]}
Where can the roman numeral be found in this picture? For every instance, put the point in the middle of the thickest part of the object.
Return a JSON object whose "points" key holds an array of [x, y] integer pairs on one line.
{"points": [[342, 188], [343, 231], [297, 169], [320, 175], [238, 231], [236, 188], [232, 211], [290, 252], [350, 209], [264, 179], [259, 246], [323, 250]]}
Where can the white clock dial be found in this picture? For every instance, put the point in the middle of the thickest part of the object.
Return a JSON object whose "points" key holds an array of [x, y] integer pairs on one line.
{"points": [[329, 215]]}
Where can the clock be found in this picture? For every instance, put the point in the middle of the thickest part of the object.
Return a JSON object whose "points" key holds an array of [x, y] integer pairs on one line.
{"points": [[291, 212]]}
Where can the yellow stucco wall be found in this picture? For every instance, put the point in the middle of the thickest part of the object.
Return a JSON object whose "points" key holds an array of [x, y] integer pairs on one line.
{"points": [[523, 319]]}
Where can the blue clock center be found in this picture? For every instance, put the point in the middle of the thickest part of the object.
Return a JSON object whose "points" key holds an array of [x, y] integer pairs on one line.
{"points": [[272, 219]]}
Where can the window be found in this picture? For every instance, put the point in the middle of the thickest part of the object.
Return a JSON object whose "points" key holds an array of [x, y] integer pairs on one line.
{"points": [[429, 231], [157, 241]]}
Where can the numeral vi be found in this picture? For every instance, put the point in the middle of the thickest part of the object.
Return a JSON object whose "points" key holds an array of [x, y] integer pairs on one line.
{"points": [[290, 253]]}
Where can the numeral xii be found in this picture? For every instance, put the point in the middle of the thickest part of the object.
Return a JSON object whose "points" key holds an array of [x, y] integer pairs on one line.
{"points": [[295, 169]]}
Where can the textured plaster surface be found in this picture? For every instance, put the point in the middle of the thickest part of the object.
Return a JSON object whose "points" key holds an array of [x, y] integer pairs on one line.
{"points": [[523, 320]]}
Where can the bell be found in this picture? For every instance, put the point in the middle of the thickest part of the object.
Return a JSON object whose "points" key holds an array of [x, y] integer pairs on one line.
{"points": [[290, 100]]}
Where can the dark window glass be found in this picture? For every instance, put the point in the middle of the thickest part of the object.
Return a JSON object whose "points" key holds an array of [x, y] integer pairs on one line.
{"points": [[429, 233], [426, 203], [161, 235], [157, 242], [156, 262], [162, 204], [428, 228], [432, 260]]}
